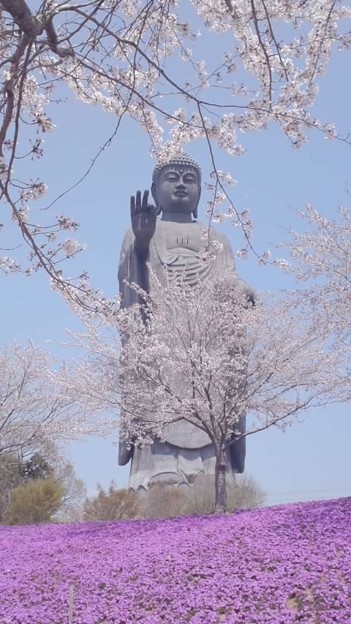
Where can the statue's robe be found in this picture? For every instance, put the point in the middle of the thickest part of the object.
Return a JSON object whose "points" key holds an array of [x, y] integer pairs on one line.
{"points": [[186, 451]]}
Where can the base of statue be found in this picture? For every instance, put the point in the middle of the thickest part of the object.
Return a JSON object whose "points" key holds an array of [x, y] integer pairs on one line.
{"points": [[165, 463]]}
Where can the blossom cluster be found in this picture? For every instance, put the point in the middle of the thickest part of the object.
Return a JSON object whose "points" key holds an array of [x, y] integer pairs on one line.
{"points": [[277, 565]]}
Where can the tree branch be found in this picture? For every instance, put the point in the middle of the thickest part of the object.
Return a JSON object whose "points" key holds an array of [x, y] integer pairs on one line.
{"points": [[29, 25]]}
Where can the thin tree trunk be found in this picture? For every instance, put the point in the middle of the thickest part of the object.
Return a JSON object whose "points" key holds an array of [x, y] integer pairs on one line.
{"points": [[221, 482]]}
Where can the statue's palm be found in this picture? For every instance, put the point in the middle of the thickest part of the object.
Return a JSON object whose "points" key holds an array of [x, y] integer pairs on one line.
{"points": [[143, 217]]}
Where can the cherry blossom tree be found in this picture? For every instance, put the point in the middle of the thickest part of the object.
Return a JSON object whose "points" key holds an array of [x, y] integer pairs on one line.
{"points": [[149, 60], [321, 257], [206, 355], [321, 260], [33, 412]]}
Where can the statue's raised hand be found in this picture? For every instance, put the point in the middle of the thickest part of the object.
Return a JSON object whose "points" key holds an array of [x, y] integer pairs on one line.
{"points": [[143, 216]]}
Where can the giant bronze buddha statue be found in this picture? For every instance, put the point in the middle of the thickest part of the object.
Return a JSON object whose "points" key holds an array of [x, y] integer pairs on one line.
{"points": [[169, 235]]}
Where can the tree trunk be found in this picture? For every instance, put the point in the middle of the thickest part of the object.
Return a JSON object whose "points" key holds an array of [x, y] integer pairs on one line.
{"points": [[221, 482]]}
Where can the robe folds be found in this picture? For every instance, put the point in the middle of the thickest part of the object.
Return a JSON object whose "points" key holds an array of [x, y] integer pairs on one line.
{"points": [[186, 450]]}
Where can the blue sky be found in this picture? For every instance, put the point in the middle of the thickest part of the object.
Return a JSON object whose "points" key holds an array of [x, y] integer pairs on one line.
{"points": [[310, 460]]}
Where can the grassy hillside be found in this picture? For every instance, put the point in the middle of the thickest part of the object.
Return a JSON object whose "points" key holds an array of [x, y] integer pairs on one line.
{"points": [[277, 565]]}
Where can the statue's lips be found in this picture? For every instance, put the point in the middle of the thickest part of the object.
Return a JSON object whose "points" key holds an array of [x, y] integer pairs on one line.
{"points": [[181, 194]]}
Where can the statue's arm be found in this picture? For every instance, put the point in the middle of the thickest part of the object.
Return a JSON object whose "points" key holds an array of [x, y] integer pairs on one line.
{"points": [[132, 269], [143, 218]]}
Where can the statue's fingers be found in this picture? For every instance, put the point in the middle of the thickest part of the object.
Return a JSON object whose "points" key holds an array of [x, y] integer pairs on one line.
{"points": [[145, 198], [138, 201], [132, 205]]}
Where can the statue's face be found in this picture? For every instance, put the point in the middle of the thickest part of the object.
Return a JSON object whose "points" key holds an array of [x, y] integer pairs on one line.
{"points": [[178, 189]]}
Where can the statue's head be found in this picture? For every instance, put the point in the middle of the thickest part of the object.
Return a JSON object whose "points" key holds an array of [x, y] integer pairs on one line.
{"points": [[176, 185]]}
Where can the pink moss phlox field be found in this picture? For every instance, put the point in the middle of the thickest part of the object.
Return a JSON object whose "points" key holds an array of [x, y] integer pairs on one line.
{"points": [[277, 565]]}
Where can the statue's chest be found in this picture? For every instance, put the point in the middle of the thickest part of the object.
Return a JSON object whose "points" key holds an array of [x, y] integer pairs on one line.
{"points": [[180, 247], [187, 239]]}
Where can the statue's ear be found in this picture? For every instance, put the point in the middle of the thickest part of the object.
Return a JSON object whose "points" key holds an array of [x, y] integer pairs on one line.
{"points": [[154, 195], [195, 209]]}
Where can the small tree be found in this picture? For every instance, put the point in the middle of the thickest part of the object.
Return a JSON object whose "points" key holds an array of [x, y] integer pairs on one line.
{"points": [[207, 356], [34, 502], [46, 465], [110, 505]]}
